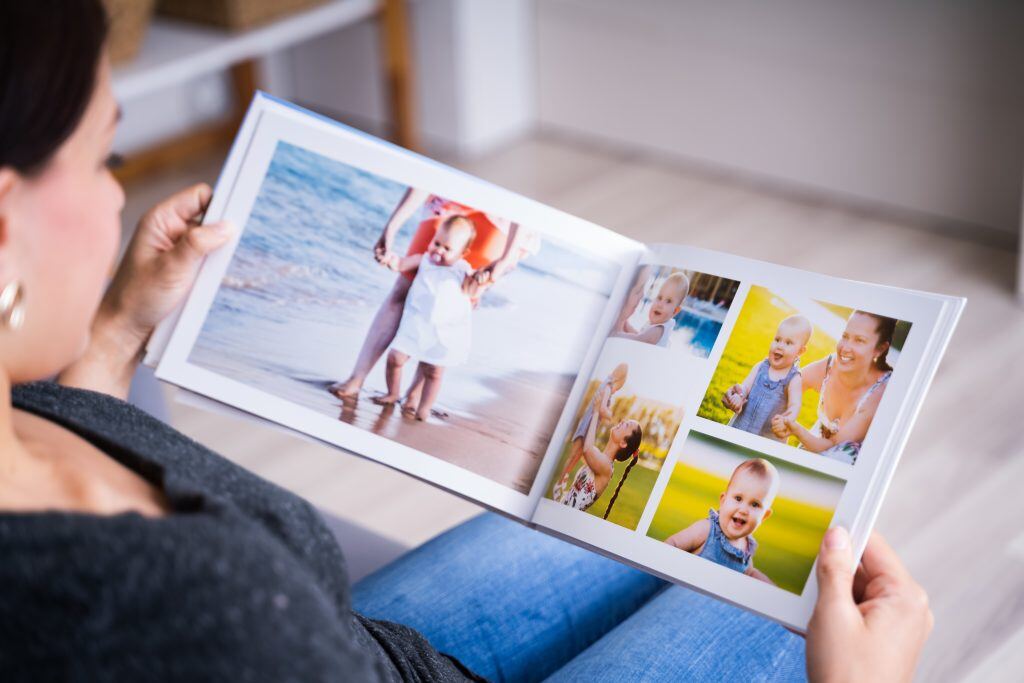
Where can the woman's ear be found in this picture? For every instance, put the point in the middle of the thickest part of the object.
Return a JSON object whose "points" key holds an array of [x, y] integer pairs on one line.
{"points": [[7, 179]]}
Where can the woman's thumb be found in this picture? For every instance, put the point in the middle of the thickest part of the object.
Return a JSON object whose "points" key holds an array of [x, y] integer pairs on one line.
{"points": [[200, 240], [835, 567]]}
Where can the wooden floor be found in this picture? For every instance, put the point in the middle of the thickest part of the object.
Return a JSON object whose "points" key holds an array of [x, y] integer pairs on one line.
{"points": [[954, 509]]}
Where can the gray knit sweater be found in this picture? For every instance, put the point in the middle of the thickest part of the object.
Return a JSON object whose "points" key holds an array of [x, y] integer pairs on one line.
{"points": [[242, 582]]}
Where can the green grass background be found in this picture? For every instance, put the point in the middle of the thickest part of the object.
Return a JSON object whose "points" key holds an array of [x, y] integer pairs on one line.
{"points": [[632, 500], [787, 542]]}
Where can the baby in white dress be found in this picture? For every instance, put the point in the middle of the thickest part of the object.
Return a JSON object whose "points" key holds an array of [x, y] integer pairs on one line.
{"points": [[435, 327]]}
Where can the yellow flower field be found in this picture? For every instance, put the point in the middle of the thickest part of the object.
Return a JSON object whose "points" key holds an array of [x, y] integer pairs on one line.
{"points": [[748, 345]]}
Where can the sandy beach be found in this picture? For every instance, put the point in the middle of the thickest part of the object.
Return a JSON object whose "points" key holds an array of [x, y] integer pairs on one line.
{"points": [[502, 436], [492, 442]]}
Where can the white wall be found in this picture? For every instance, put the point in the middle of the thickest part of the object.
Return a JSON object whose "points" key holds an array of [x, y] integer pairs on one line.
{"points": [[918, 105]]}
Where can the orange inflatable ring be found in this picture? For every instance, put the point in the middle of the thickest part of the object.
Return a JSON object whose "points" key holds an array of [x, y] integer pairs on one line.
{"points": [[486, 247]]}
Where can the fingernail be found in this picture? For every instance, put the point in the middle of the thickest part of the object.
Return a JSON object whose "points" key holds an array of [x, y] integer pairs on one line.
{"points": [[837, 538]]}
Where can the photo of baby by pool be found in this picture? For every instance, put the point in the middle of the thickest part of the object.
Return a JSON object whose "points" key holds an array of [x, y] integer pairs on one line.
{"points": [[804, 372], [675, 308], [621, 434], [431, 323], [748, 512]]}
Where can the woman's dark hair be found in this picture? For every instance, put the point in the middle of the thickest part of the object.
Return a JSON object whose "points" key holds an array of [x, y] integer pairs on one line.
{"points": [[49, 56], [629, 452], [885, 328]]}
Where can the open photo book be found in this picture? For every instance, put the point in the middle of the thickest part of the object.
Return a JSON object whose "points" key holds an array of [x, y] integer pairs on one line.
{"points": [[701, 416]]}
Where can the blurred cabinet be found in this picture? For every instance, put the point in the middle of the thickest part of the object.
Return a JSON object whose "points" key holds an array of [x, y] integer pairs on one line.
{"points": [[177, 53]]}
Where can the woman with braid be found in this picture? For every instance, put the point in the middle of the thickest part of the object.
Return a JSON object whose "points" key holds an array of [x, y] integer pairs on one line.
{"points": [[592, 479]]}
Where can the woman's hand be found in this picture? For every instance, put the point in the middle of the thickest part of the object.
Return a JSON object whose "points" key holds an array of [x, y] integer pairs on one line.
{"points": [[733, 399], [866, 627], [162, 260], [782, 426], [156, 272], [382, 248], [493, 271]]}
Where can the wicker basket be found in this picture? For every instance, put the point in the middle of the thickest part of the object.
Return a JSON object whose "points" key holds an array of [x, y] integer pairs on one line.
{"points": [[129, 20], [232, 14]]}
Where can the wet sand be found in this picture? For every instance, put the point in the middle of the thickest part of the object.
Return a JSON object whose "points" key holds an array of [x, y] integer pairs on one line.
{"points": [[504, 440], [502, 434]]}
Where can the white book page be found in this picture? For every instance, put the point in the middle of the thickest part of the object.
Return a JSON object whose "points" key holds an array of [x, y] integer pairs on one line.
{"points": [[689, 474], [286, 309]]}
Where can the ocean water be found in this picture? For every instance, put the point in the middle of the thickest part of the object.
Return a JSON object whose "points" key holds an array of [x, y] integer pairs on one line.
{"points": [[302, 287]]}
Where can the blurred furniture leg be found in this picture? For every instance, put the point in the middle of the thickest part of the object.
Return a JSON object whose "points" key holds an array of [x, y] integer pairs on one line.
{"points": [[1020, 254], [398, 71]]}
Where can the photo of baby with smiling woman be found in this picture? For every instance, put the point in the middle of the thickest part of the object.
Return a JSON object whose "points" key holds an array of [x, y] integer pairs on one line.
{"points": [[674, 308], [807, 373]]}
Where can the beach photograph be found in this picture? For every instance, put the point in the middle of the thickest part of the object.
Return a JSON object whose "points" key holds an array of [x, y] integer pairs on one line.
{"points": [[676, 309], [746, 511], [421, 319], [621, 434], [803, 372]]}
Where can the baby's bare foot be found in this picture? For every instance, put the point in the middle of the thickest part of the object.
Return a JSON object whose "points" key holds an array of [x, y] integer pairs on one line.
{"points": [[385, 400], [409, 409]]}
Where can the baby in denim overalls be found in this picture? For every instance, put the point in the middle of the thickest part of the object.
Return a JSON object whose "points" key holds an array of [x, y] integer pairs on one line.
{"points": [[724, 537], [773, 386]]}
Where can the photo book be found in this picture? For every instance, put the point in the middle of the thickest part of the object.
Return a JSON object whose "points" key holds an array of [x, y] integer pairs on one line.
{"points": [[698, 415]]}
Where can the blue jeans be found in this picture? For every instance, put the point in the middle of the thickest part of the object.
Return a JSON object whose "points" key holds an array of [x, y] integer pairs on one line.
{"points": [[514, 604]]}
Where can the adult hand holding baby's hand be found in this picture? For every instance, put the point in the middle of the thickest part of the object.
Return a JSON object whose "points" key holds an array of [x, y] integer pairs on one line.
{"points": [[382, 249], [782, 425], [870, 626], [471, 285], [733, 398]]}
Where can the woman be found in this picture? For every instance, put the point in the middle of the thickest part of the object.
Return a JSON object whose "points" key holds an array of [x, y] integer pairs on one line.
{"points": [[850, 383], [494, 251], [129, 552], [598, 466]]}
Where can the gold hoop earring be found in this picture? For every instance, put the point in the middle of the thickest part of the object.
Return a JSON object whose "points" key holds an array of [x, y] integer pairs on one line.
{"points": [[12, 306]]}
